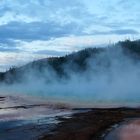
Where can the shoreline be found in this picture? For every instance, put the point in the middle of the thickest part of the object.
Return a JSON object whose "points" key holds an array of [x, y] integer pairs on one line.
{"points": [[25, 119], [92, 125], [127, 130], [48, 121]]}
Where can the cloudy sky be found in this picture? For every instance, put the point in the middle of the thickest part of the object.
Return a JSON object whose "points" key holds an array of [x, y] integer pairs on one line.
{"points": [[34, 29]]}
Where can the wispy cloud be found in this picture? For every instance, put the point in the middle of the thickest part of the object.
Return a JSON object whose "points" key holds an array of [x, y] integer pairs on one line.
{"points": [[57, 27]]}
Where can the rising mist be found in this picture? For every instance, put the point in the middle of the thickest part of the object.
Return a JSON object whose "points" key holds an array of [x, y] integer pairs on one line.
{"points": [[90, 77]]}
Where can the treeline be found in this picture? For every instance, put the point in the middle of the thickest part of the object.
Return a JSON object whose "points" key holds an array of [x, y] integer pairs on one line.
{"points": [[75, 62], [133, 47]]}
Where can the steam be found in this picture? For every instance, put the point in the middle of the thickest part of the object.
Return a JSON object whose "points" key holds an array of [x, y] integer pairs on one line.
{"points": [[111, 77]]}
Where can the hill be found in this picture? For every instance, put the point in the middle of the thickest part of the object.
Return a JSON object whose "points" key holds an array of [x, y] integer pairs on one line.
{"points": [[77, 62]]}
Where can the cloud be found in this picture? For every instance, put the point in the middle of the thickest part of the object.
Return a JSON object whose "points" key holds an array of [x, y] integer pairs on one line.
{"points": [[47, 31], [125, 31], [10, 59], [5, 48], [101, 30], [60, 12], [36, 30], [61, 44], [62, 18], [117, 32], [64, 45], [57, 27]]}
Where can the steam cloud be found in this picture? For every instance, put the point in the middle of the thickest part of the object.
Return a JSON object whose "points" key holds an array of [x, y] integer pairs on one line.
{"points": [[112, 77]]}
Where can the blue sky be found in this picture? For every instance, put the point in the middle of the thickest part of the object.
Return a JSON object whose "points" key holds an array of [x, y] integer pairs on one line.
{"points": [[34, 29]]}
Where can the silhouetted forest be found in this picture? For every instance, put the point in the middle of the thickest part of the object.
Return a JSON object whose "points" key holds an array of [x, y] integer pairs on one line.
{"points": [[75, 62]]}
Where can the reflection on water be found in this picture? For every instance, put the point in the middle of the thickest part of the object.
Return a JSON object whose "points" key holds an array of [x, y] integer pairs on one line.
{"points": [[127, 131], [25, 130], [27, 119]]}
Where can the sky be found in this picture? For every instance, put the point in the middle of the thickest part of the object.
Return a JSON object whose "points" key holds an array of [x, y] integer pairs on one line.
{"points": [[35, 29]]}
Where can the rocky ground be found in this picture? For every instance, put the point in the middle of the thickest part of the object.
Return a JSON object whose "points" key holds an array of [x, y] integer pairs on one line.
{"points": [[91, 125], [26, 119]]}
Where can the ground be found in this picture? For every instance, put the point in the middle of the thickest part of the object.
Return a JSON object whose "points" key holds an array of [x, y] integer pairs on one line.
{"points": [[91, 125]]}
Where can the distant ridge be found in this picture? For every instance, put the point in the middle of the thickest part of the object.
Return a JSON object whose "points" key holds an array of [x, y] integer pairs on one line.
{"points": [[75, 62]]}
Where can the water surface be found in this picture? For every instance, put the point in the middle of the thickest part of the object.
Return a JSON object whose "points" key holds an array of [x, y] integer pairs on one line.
{"points": [[127, 131], [26, 119]]}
